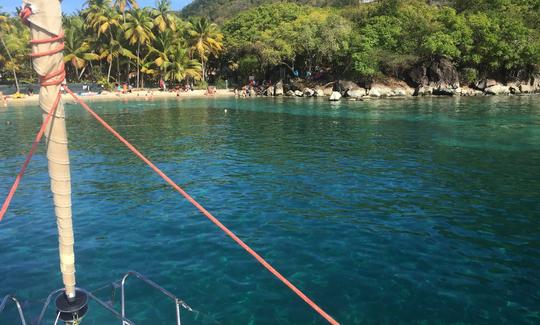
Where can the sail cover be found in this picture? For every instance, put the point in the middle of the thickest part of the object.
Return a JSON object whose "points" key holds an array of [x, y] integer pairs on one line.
{"points": [[45, 23]]}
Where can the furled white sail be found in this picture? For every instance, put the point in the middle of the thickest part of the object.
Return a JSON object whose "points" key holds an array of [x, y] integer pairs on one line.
{"points": [[45, 23]]}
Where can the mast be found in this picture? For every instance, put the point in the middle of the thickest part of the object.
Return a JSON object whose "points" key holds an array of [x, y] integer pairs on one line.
{"points": [[45, 23]]}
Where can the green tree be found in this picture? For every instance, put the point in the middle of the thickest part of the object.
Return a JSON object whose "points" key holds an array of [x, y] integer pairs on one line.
{"points": [[163, 18], [205, 39], [138, 30], [77, 49], [7, 27]]}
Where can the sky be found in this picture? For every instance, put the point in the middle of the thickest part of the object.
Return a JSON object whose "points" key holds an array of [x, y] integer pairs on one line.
{"points": [[70, 6]]}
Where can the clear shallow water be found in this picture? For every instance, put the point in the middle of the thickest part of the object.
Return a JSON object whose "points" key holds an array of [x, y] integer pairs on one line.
{"points": [[390, 211]]}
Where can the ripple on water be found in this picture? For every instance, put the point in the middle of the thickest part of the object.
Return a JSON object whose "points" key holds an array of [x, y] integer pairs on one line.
{"points": [[384, 211]]}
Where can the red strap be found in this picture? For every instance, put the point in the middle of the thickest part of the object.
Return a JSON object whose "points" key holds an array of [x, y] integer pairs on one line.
{"points": [[38, 137]]}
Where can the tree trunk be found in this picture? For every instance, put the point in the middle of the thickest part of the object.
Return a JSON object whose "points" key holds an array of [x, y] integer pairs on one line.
{"points": [[82, 72], [11, 59], [118, 69], [138, 64], [203, 70], [109, 72]]}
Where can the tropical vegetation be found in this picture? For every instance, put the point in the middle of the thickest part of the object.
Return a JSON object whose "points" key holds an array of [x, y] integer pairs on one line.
{"points": [[119, 41]]}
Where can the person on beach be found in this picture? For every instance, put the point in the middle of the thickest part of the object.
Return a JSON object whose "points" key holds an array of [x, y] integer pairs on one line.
{"points": [[3, 100], [162, 85], [210, 91]]}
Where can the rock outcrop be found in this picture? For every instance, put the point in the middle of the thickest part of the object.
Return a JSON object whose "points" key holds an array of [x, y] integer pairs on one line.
{"points": [[392, 89], [308, 92], [278, 89], [497, 89], [335, 96], [357, 93], [439, 77]]}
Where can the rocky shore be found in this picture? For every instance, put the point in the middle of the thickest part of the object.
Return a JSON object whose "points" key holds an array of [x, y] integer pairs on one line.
{"points": [[440, 78]]}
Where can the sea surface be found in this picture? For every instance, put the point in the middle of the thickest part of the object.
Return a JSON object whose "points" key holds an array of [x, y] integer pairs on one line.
{"points": [[416, 211]]}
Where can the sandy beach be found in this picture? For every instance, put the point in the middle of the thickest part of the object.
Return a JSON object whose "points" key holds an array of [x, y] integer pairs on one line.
{"points": [[138, 95]]}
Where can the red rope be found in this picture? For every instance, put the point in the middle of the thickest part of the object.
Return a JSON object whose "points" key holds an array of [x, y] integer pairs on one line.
{"points": [[39, 135], [53, 78], [204, 211]]}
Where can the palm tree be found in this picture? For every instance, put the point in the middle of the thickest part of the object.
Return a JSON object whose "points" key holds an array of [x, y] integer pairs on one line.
{"points": [[163, 18], [123, 4], [103, 20], [114, 50], [95, 7], [179, 66], [205, 39], [6, 27], [77, 49], [106, 21], [138, 30]]}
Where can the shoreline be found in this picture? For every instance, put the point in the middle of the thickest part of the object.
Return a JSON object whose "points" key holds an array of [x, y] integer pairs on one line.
{"points": [[154, 94], [150, 94]]}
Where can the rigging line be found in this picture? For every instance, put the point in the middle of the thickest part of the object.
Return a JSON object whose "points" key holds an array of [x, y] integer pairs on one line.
{"points": [[37, 139], [218, 223]]}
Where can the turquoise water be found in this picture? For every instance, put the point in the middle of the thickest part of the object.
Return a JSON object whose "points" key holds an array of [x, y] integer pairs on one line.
{"points": [[384, 212]]}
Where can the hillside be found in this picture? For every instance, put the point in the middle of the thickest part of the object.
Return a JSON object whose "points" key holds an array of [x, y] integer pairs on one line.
{"points": [[220, 10]]}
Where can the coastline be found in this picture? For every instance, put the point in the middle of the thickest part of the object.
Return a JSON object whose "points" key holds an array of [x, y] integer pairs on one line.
{"points": [[155, 94], [150, 94]]}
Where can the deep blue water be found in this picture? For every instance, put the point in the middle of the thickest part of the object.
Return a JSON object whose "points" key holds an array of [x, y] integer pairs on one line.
{"points": [[384, 212]]}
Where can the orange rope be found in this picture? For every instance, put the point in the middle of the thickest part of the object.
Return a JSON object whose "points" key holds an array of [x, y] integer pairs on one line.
{"points": [[53, 78], [204, 211], [39, 135]]}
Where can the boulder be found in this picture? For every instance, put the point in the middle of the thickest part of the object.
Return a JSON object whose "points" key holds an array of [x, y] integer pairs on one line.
{"points": [[269, 91], [319, 92], [357, 93], [298, 93], [402, 89], [535, 83], [335, 96], [380, 90], [526, 88], [424, 91], [514, 87], [308, 92], [290, 93], [445, 91], [278, 89], [497, 89], [468, 91], [328, 91], [347, 85], [252, 93], [485, 83]]}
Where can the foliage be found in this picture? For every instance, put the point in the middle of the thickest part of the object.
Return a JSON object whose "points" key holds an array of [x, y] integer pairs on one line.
{"points": [[119, 41]]}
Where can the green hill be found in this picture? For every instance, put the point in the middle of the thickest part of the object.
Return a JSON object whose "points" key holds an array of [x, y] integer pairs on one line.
{"points": [[220, 10]]}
